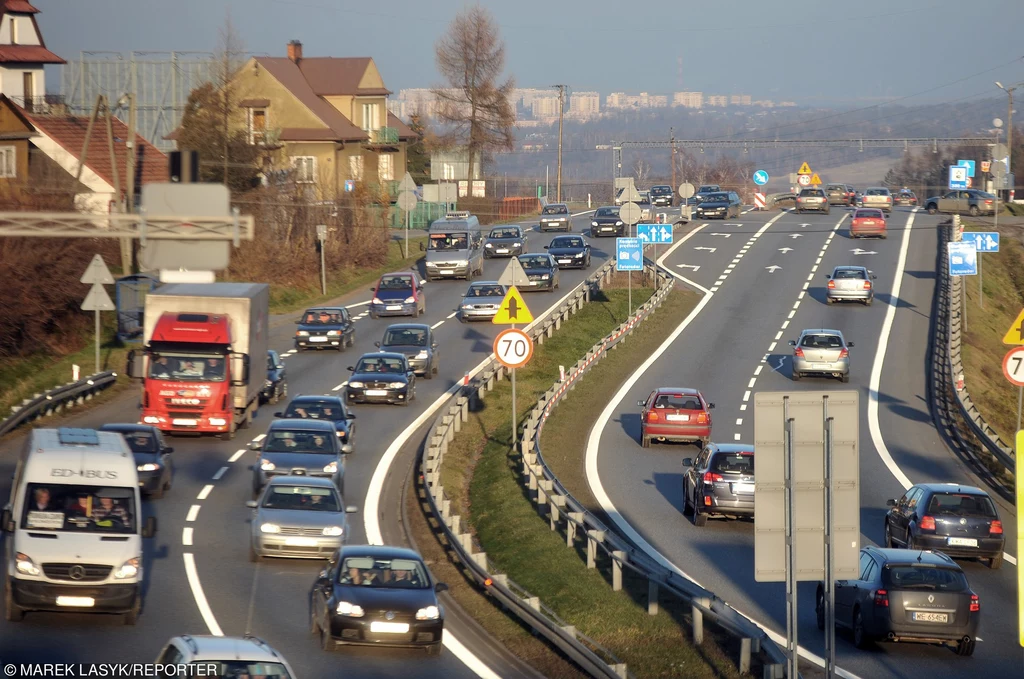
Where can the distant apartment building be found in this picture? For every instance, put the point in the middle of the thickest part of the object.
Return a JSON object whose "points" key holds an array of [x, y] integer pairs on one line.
{"points": [[583, 105], [718, 100], [764, 103], [786, 103], [544, 108], [621, 100], [688, 99], [739, 100]]}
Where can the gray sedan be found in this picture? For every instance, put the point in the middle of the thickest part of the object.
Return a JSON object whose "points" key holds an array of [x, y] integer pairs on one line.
{"points": [[877, 196], [505, 241], [481, 301], [298, 517], [850, 284], [821, 352]]}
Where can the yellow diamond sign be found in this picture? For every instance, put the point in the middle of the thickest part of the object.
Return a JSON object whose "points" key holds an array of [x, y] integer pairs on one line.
{"points": [[804, 169], [1015, 335], [513, 309]]}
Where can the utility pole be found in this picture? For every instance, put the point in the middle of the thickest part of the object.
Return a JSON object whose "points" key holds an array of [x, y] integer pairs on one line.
{"points": [[1009, 129], [128, 244], [561, 112], [672, 140]]}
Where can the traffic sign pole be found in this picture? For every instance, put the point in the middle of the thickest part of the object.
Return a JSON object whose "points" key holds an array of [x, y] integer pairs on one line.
{"points": [[1020, 536]]}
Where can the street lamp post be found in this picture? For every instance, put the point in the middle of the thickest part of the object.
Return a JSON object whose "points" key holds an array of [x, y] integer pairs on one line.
{"points": [[1009, 124]]}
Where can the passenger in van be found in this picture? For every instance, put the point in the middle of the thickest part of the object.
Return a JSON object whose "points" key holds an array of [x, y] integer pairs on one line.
{"points": [[108, 511], [41, 501], [81, 509]]}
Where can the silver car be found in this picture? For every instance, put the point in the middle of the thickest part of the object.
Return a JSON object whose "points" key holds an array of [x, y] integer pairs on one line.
{"points": [[812, 199], [482, 301], [877, 196], [850, 284], [821, 352], [505, 241], [298, 517], [555, 217]]}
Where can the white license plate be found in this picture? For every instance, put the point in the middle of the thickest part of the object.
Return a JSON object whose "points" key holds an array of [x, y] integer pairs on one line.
{"points": [[393, 307], [79, 601], [678, 418], [931, 617], [376, 392], [534, 283], [565, 261], [446, 272], [390, 627], [184, 423], [300, 542], [962, 542], [743, 488], [868, 222], [317, 339], [820, 366], [502, 251]]}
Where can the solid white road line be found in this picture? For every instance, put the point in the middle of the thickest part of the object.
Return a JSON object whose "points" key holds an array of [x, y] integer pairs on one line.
{"points": [[238, 454], [437, 325], [193, 512], [358, 304], [340, 386], [876, 369], [199, 595], [205, 492], [186, 536]]}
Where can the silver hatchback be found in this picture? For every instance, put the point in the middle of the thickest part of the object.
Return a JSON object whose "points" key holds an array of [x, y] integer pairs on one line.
{"points": [[482, 301], [298, 517], [821, 352], [850, 284]]}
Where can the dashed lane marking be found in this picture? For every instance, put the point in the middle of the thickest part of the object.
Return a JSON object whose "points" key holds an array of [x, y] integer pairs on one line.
{"points": [[437, 325], [220, 473], [193, 512], [205, 492], [238, 454], [186, 536]]}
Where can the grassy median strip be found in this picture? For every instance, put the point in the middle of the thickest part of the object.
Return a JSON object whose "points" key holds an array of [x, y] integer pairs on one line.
{"points": [[520, 542]]}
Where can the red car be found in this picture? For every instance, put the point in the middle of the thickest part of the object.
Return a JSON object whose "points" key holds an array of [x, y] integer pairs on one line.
{"points": [[671, 414], [868, 221]]}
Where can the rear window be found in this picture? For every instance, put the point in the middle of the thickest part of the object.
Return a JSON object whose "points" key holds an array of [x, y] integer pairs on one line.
{"points": [[836, 187], [841, 274], [961, 504], [733, 463], [821, 342], [878, 192], [868, 214], [678, 402], [556, 210], [811, 192], [922, 577]]}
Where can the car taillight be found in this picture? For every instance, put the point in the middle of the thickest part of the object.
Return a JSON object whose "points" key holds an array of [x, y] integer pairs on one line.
{"points": [[798, 352], [988, 202], [845, 353], [702, 418], [882, 598], [927, 523], [867, 285], [652, 416], [831, 285], [975, 603], [996, 528], [711, 477]]}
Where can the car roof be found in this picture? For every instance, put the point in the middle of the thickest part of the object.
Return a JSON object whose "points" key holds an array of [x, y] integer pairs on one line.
{"points": [[475, 284], [733, 447], [382, 354], [316, 481], [300, 424], [398, 273], [848, 267], [207, 647], [677, 390], [315, 397], [952, 488], [506, 226], [408, 326], [126, 427], [324, 308], [557, 205], [566, 235], [911, 557], [380, 551], [820, 331]]}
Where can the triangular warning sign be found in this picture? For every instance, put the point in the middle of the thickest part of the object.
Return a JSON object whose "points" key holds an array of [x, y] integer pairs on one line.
{"points": [[514, 273], [804, 169], [1015, 335], [815, 179], [513, 310]]}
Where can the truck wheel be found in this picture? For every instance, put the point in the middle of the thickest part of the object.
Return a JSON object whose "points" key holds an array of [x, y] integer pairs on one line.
{"points": [[230, 433]]}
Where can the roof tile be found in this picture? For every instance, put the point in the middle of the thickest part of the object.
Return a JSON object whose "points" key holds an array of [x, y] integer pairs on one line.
{"points": [[22, 6], [291, 77], [28, 54]]}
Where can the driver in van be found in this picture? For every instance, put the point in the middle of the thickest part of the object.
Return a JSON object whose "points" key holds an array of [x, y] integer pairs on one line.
{"points": [[108, 510]]}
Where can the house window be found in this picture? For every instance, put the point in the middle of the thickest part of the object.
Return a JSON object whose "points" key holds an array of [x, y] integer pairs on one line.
{"points": [[305, 169], [8, 162], [257, 123], [386, 167], [14, 31], [370, 117], [355, 167]]}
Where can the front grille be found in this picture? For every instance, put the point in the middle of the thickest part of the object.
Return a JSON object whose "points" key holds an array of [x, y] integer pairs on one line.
{"points": [[376, 385], [77, 572], [446, 265], [189, 415], [196, 404], [536, 277], [400, 616], [485, 306], [301, 531]]}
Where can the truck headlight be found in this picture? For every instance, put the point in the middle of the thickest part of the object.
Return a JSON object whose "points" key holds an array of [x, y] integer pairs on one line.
{"points": [[331, 467], [428, 613], [26, 565], [350, 610], [333, 531], [270, 528], [218, 421], [129, 569], [267, 465], [149, 467], [396, 385]]}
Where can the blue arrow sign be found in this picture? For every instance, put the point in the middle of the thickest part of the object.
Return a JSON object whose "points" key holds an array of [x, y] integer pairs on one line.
{"points": [[984, 241], [760, 177], [653, 234], [963, 259], [969, 164], [957, 177], [629, 254]]}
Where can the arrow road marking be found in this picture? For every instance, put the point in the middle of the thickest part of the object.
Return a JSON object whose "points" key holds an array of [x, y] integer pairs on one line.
{"points": [[773, 268], [858, 251], [778, 367], [700, 247], [731, 224], [804, 226], [689, 266], [727, 235], [795, 235], [785, 250]]}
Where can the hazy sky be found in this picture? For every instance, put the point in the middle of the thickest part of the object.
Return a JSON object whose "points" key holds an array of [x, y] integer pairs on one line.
{"points": [[811, 52]]}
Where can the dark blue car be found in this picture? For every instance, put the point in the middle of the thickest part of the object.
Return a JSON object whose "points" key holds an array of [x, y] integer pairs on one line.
{"points": [[325, 328]]}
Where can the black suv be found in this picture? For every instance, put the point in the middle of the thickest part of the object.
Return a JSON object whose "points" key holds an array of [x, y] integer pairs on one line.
{"points": [[325, 407], [906, 596], [661, 196], [325, 328], [957, 520]]}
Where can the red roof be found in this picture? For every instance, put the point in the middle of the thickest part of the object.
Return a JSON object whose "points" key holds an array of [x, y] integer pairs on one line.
{"points": [[69, 132], [31, 54], [17, 6]]}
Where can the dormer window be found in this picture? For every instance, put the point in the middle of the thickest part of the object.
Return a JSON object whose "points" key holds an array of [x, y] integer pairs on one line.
{"points": [[257, 125]]}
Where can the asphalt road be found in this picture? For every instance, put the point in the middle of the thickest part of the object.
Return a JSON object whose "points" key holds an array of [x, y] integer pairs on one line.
{"points": [[738, 345], [203, 532]]}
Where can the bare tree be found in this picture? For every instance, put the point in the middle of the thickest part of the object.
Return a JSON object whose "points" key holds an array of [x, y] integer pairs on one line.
{"points": [[229, 53], [475, 105], [642, 171]]}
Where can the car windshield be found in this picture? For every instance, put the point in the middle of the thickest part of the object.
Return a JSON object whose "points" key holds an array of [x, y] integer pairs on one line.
{"points": [[416, 337], [821, 342], [504, 233], [661, 190], [836, 187], [677, 402], [79, 509], [141, 441], [239, 669], [322, 317], [485, 291], [961, 504], [556, 210], [448, 241], [733, 463], [309, 409], [308, 498], [712, 197], [284, 441], [878, 192], [187, 368], [911, 576], [381, 364], [534, 262], [841, 274], [398, 283], [368, 571], [567, 242], [868, 214], [607, 212]]}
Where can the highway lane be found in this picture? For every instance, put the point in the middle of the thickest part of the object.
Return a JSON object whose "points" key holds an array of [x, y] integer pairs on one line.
{"points": [[204, 515], [737, 346]]}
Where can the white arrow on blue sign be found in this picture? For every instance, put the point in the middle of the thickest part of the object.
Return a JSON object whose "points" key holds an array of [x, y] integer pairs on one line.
{"points": [[629, 254], [760, 177], [654, 233], [969, 164], [984, 241], [963, 259]]}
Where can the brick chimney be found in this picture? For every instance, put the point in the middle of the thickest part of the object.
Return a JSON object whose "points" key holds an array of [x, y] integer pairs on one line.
{"points": [[295, 51]]}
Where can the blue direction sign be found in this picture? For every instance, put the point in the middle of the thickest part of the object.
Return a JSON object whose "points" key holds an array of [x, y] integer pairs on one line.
{"points": [[969, 164], [760, 177], [629, 255], [984, 241], [654, 233], [963, 259], [957, 177]]}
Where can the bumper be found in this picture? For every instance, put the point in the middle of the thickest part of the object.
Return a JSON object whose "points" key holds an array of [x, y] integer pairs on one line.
{"points": [[676, 432], [858, 231], [556, 226], [819, 207], [294, 547], [346, 630], [530, 286], [598, 231], [572, 263], [841, 367], [661, 202], [386, 395], [710, 214], [197, 424], [399, 309], [851, 295], [838, 200], [922, 632], [33, 595], [434, 271], [986, 549], [727, 505], [503, 252], [477, 314], [333, 342], [150, 481]]}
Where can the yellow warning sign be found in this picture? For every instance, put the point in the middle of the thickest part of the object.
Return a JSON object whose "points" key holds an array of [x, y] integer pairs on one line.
{"points": [[815, 180], [804, 169], [513, 309], [1015, 335]]}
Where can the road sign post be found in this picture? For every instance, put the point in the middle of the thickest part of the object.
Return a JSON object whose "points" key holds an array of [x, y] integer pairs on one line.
{"points": [[984, 241], [407, 201], [321, 236], [1019, 447], [97, 300], [686, 191], [629, 257], [513, 348]]}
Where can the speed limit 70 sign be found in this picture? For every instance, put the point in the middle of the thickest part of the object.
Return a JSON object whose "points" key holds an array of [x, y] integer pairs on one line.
{"points": [[513, 348], [1013, 366]]}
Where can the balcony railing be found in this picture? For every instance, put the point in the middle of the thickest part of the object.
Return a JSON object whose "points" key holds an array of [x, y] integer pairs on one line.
{"points": [[384, 135], [52, 104]]}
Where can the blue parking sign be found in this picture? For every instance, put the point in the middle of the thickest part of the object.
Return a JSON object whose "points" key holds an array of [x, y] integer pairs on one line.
{"points": [[629, 254], [963, 259]]}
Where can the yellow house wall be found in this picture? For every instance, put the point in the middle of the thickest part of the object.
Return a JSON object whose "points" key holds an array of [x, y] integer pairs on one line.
{"points": [[284, 110]]}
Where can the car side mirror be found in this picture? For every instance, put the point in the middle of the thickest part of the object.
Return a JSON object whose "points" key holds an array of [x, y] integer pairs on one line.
{"points": [[849, 344], [252, 504], [322, 575], [149, 529], [346, 448], [890, 503], [254, 445], [279, 366], [278, 414], [411, 374], [351, 509], [687, 461], [828, 275], [546, 247], [168, 450], [792, 343], [874, 277], [373, 290], [350, 416], [298, 322], [440, 587], [433, 345], [5, 521], [376, 344], [710, 406], [351, 369], [641, 403]]}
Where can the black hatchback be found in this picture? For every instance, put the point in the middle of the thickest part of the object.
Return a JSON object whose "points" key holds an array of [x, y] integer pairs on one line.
{"points": [[570, 252], [152, 456], [960, 521], [541, 272], [325, 328], [720, 482], [324, 407], [381, 377]]}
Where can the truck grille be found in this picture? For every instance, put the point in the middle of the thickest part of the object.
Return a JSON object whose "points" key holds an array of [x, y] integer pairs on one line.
{"points": [[76, 572]]}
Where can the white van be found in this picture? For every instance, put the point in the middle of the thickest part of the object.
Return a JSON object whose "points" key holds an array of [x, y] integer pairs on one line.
{"points": [[74, 528], [455, 248]]}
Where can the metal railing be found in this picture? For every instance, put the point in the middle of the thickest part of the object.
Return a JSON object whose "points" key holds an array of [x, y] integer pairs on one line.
{"points": [[565, 511], [57, 400], [384, 135]]}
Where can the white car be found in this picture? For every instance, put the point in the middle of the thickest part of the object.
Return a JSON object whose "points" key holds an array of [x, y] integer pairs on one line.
{"points": [[233, 656]]}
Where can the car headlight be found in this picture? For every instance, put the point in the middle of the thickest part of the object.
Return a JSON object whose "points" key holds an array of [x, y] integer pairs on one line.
{"points": [[579, 254], [333, 333], [302, 333], [545, 277], [488, 245], [410, 300], [396, 385], [267, 465], [376, 300], [561, 219], [351, 610], [356, 385], [618, 223], [422, 354], [428, 613], [149, 467], [467, 306], [129, 569], [517, 244], [593, 223], [267, 384], [333, 531], [269, 528], [331, 467], [26, 565]]}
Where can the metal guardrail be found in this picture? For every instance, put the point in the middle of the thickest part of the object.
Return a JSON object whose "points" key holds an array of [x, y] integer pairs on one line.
{"points": [[549, 492], [57, 400]]}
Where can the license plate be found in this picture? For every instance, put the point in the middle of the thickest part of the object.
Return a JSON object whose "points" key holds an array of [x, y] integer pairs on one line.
{"points": [[376, 392], [79, 601], [300, 542], [446, 272], [317, 339], [742, 488], [565, 261], [931, 617], [678, 418], [962, 542], [393, 307], [868, 222], [820, 366], [534, 282], [184, 423], [390, 627], [502, 251]]}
